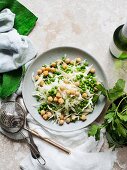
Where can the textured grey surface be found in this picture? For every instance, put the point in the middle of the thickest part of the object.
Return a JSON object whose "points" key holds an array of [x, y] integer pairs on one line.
{"points": [[87, 24]]}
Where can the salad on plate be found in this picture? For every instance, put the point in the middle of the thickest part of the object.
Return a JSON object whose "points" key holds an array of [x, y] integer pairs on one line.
{"points": [[66, 90]]}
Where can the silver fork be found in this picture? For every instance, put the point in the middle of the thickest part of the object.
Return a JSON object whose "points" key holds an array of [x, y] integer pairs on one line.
{"points": [[33, 147]]}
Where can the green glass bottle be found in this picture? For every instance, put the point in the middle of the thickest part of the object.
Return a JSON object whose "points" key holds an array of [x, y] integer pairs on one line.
{"points": [[118, 46]]}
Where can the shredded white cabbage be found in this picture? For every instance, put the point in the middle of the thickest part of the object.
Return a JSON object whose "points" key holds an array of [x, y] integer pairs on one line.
{"points": [[68, 92]]}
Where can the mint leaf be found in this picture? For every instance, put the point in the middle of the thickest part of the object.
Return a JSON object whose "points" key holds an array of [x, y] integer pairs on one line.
{"points": [[117, 91], [95, 131]]}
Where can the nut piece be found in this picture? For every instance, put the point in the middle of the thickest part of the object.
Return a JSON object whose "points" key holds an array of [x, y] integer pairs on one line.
{"points": [[66, 81], [78, 59], [43, 112], [45, 73], [50, 99], [73, 117], [45, 117], [62, 117], [41, 83], [67, 60], [61, 101], [72, 92], [47, 68], [61, 122], [72, 62], [77, 83], [68, 91], [39, 71], [49, 114], [59, 61], [55, 99], [64, 66], [53, 64], [77, 93], [58, 95], [83, 117], [92, 70], [68, 120], [62, 88], [36, 77], [43, 69], [84, 95], [52, 70]]}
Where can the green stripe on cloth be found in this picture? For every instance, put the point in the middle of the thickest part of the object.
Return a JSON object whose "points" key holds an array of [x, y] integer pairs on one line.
{"points": [[25, 21]]}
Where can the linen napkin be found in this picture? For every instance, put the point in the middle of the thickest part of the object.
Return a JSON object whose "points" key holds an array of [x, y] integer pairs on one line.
{"points": [[85, 153], [25, 20], [15, 49], [24, 23], [6, 20]]}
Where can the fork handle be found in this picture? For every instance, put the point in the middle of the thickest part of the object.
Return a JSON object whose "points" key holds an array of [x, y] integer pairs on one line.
{"points": [[34, 150], [67, 151]]}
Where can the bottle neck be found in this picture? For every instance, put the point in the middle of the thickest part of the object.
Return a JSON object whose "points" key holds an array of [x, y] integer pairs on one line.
{"points": [[124, 31], [123, 34]]}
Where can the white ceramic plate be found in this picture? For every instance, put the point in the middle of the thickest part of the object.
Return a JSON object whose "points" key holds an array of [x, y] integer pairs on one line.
{"points": [[46, 58]]}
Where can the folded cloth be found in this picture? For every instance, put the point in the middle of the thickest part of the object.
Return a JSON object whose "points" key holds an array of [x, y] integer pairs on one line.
{"points": [[15, 49], [6, 20], [85, 153], [25, 20]]}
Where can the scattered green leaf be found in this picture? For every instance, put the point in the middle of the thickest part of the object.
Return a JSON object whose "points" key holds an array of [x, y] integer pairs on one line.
{"points": [[95, 131], [117, 90]]}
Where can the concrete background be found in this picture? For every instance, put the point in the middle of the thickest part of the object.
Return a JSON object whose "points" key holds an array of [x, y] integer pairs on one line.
{"points": [[87, 24]]}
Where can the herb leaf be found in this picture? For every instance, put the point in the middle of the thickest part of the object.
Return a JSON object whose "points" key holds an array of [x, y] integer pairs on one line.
{"points": [[120, 129], [103, 90], [95, 98], [110, 116], [111, 141], [117, 90], [115, 120], [95, 131], [122, 117]]}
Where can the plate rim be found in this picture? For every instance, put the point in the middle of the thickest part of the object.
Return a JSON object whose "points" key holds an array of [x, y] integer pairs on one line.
{"points": [[55, 48]]}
